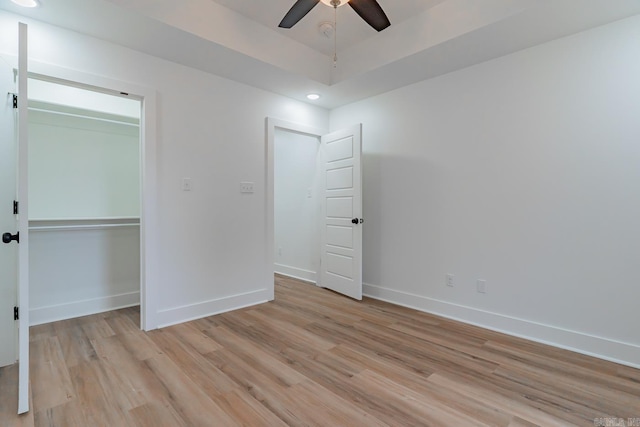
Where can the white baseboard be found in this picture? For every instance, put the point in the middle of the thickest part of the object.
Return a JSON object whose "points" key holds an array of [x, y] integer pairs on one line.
{"points": [[40, 315], [173, 316], [296, 273], [602, 348]]}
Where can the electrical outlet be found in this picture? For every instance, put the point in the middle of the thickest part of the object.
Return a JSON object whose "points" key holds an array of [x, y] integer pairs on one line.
{"points": [[481, 286], [246, 187], [449, 280]]}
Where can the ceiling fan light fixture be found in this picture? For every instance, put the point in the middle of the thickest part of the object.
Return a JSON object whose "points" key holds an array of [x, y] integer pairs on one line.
{"points": [[313, 96], [26, 3], [369, 10], [327, 29]]}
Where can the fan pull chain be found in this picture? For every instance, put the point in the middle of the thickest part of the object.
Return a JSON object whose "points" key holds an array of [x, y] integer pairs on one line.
{"points": [[335, 36]]}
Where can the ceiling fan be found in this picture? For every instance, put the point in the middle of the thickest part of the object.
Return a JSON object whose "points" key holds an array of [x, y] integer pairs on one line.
{"points": [[369, 10]]}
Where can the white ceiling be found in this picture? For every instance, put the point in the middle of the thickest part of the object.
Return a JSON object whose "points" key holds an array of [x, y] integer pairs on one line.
{"points": [[240, 40]]}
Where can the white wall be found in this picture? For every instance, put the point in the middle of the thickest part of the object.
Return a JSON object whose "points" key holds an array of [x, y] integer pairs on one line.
{"points": [[296, 207], [75, 272], [211, 242], [522, 171], [80, 167]]}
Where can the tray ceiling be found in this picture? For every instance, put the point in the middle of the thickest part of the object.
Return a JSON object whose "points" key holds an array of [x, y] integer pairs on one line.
{"points": [[240, 40]]}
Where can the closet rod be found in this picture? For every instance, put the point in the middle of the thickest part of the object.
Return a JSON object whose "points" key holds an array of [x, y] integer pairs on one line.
{"points": [[81, 116], [80, 227], [97, 220]]}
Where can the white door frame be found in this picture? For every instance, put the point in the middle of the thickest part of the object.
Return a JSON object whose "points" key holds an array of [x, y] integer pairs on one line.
{"points": [[271, 126], [148, 193]]}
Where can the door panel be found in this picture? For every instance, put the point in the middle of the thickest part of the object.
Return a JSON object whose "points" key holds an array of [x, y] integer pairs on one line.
{"points": [[339, 149], [340, 265], [341, 239], [340, 236], [338, 179], [340, 207]]}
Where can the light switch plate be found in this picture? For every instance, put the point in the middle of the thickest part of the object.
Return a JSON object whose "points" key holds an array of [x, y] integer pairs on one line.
{"points": [[186, 184], [246, 187]]}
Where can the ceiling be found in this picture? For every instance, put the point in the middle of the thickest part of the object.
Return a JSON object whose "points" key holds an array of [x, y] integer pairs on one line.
{"points": [[240, 40]]}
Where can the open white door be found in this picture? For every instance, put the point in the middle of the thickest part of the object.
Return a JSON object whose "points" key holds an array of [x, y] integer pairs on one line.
{"points": [[23, 225], [341, 228], [14, 290], [8, 252]]}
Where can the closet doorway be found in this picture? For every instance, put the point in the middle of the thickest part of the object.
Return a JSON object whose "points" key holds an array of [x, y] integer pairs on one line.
{"points": [[84, 201]]}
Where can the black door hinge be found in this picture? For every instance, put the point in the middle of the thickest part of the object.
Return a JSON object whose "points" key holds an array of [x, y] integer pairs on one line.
{"points": [[15, 100], [15, 207], [16, 313]]}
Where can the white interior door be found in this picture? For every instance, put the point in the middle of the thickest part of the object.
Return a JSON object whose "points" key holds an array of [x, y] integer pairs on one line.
{"points": [[14, 220], [341, 228], [8, 252], [23, 225]]}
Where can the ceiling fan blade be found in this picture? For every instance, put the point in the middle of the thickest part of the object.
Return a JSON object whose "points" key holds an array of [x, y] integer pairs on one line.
{"points": [[297, 12], [371, 12]]}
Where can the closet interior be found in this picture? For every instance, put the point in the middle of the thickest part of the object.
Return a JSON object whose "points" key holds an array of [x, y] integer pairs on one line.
{"points": [[84, 201]]}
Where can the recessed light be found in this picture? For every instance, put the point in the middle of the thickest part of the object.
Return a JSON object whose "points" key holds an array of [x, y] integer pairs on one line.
{"points": [[313, 96], [26, 3]]}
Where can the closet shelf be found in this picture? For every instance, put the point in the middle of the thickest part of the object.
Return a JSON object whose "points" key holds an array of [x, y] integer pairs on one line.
{"points": [[106, 218], [71, 224], [81, 227]]}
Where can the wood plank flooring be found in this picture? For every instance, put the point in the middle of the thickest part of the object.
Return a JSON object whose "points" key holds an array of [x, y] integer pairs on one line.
{"points": [[310, 358]]}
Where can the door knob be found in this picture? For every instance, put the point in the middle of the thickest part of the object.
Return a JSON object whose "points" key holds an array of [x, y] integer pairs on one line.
{"points": [[357, 221], [8, 237]]}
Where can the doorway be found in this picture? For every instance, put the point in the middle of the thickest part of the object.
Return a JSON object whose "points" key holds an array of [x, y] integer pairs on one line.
{"points": [[336, 234], [146, 103], [296, 204], [84, 201]]}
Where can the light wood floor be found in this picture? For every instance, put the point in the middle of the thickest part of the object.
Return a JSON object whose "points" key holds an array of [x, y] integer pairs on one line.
{"points": [[311, 357]]}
